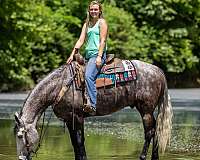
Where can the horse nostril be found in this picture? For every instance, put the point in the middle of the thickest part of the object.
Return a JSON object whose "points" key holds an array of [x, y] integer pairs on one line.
{"points": [[20, 132], [20, 158]]}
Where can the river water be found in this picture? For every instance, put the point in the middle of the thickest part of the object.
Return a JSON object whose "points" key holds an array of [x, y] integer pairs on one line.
{"points": [[114, 137]]}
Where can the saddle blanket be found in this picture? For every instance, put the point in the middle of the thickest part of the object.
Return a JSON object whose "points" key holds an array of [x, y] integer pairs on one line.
{"points": [[118, 73]]}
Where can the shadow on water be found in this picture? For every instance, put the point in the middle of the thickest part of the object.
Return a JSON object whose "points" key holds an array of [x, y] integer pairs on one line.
{"points": [[115, 137]]}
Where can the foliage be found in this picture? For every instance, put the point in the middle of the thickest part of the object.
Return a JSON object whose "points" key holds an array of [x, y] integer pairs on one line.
{"points": [[125, 39], [170, 24], [35, 39]]}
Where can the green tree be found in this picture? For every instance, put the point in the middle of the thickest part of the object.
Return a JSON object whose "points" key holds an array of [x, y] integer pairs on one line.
{"points": [[34, 40], [173, 26], [37, 36]]}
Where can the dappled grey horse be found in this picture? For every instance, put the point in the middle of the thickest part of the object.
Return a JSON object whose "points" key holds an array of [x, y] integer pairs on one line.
{"points": [[148, 94]]}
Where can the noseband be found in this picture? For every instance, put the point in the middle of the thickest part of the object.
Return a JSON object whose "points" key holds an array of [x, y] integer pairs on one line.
{"points": [[23, 131]]}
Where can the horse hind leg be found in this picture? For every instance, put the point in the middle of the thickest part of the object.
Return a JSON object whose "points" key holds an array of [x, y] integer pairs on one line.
{"points": [[149, 132], [155, 155]]}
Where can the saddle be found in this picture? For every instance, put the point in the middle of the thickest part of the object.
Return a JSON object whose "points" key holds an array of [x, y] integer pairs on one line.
{"points": [[114, 72]]}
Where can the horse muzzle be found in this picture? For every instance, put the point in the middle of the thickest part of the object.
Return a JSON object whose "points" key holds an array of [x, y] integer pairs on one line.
{"points": [[22, 158]]}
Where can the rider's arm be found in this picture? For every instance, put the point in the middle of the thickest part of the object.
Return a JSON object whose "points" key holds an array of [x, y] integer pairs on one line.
{"points": [[81, 39], [103, 36], [79, 43]]}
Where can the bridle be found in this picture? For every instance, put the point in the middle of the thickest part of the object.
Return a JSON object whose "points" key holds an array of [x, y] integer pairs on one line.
{"points": [[22, 130]]}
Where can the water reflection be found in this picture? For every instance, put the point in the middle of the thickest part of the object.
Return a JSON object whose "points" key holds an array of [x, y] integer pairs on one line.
{"points": [[116, 137]]}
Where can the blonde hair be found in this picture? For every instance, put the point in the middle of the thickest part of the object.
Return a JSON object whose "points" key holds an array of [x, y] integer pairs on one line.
{"points": [[88, 19]]}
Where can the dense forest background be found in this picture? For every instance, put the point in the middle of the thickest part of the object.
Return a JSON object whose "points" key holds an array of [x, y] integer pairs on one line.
{"points": [[37, 36]]}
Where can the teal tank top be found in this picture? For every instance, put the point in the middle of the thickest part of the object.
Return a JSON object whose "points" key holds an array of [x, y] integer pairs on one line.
{"points": [[93, 41]]}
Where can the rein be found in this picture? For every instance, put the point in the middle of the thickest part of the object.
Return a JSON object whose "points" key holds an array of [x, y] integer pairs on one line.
{"points": [[72, 73], [56, 101]]}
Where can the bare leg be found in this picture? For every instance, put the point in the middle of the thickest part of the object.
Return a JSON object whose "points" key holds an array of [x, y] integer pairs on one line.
{"points": [[77, 139], [149, 131]]}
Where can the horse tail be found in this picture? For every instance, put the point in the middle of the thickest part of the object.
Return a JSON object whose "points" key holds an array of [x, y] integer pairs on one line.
{"points": [[164, 120]]}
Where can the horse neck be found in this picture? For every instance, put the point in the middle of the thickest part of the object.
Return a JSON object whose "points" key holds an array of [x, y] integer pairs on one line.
{"points": [[33, 108], [42, 96]]}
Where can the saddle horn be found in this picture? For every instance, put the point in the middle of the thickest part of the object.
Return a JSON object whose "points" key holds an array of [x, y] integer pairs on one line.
{"points": [[78, 57]]}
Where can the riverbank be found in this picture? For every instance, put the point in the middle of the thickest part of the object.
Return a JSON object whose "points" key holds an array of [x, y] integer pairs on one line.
{"points": [[176, 94], [182, 99], [185, 94]]}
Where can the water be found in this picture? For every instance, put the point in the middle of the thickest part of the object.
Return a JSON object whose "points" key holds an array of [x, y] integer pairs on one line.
{"points": [[116, 137]]}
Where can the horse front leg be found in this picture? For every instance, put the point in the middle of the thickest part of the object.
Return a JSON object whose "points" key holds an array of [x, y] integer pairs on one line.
{"points": [[149, 131], [77, 139]]}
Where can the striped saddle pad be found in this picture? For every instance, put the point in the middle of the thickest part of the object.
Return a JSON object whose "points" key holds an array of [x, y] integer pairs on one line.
{"points": [[119, 71]]}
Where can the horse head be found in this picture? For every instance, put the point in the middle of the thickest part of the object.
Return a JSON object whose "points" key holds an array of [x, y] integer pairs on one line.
{"points": [[26, 136]]}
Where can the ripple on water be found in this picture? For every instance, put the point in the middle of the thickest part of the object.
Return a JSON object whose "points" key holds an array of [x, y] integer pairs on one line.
{"points": [[117, 138]]}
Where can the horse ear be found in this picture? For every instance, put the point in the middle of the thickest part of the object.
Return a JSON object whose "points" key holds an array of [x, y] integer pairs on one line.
{"points": [[17, 118]]}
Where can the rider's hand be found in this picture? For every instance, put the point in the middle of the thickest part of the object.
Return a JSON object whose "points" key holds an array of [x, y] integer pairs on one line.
{"points": [[98, 61], [70, 59]]}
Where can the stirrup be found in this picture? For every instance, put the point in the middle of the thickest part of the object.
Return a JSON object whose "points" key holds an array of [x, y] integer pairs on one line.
{"points": [[89, 109], [87, 106]]}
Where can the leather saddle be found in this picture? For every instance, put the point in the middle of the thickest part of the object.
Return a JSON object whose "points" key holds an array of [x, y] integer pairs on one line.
{"points": [[114, 71]]}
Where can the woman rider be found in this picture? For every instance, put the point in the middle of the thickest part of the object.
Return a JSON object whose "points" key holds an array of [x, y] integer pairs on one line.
{"points": [[94, 33]]}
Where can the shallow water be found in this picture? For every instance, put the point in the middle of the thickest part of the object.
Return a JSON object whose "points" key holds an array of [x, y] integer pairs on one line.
{"points": [[116, 137]]}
